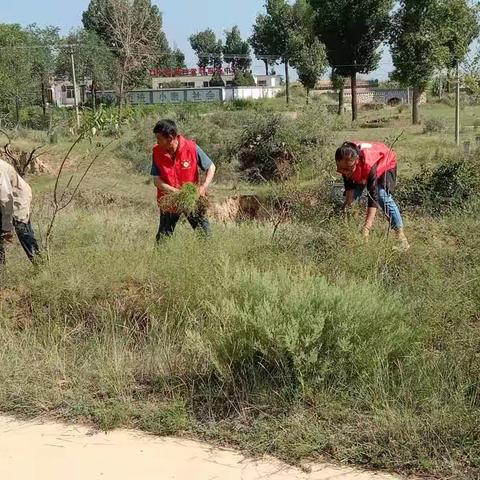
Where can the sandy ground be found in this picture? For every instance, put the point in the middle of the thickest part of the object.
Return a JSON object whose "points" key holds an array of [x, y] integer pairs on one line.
{"points": [[50, 451]]}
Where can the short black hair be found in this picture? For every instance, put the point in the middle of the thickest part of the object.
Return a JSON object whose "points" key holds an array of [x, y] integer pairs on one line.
{"points": [[347, 151], [166, 128]]}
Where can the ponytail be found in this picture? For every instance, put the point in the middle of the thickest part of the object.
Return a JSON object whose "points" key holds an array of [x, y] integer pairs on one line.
{"points": [[348, 151]]}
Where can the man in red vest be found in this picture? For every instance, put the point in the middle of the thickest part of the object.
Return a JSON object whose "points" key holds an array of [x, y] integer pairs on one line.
{"points": [[175, 162], [371, 166]]}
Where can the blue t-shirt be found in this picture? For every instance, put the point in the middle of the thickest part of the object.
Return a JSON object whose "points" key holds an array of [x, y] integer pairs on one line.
{"points": [[203, 160]]}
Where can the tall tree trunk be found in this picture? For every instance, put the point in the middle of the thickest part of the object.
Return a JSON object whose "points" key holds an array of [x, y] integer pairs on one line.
{"points": [[94, 95], [266, 67], [417, 95], [308, 95], [341, 99], [287, 82], [44, 103], [353, 78], [121, 95]]}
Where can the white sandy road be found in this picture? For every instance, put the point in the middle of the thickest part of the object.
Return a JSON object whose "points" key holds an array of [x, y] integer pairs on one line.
{"points": [[51, 451]]}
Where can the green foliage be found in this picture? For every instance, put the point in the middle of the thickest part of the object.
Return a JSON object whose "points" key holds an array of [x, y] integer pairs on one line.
{"points": [[186, 201], [263, 153], [243, 79], [435, 125], [417, 42], [310, 62], [16, 81], [207, 48], [300, 329], [452, 184], [273, 32], [93, 60], [235, 45], [458, 40], [217, 80], [424, 39], [136, 28], [352, 32], [260, 41]]}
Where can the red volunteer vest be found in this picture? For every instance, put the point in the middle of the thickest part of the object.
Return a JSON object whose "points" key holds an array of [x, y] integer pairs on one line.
{"points": [[179, 170], [372, 154]]}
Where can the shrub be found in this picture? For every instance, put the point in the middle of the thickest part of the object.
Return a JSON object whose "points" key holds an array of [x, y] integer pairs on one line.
{"points": [[297, 326], [372, 106], [452, 184], [435, 125], [263, 153]]}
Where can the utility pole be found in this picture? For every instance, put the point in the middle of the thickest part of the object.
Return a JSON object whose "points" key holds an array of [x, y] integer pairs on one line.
{"points": [[75, 100], [457, 109]]}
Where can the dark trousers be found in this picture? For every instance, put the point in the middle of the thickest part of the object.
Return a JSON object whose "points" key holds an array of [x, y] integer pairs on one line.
{"points": [[27, 239], [168, 222]]}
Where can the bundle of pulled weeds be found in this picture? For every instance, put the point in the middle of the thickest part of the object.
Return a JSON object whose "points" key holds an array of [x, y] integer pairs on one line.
{"points": [[187, 201]]}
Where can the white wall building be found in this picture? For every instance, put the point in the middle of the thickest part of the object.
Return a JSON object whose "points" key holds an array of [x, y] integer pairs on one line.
{"points": [[60, 93], [200, 78]]}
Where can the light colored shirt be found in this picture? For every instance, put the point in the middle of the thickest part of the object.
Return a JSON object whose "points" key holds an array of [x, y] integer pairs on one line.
{"points": [[15, 197]]}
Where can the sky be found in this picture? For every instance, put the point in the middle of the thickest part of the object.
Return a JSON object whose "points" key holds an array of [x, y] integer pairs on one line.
{"points": [[181, 18]]}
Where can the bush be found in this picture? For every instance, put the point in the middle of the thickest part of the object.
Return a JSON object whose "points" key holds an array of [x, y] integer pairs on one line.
{"points": [[452, 184], [264, 153], [372, 106], [435, 125], [294, 326]]}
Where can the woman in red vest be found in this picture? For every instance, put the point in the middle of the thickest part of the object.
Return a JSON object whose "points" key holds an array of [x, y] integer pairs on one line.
{"points": [[372, 166], [175, 162]]}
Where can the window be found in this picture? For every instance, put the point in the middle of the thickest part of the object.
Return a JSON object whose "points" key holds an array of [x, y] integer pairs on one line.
{"points": [[262, 83], [70, 93], [188, 84], [206, 84]]}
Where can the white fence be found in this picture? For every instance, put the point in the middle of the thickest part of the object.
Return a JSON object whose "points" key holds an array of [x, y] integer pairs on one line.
{"points": [[194, 95]]}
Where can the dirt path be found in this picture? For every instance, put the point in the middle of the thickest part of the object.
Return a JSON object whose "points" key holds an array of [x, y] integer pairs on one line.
{"points": [[49, 451]]}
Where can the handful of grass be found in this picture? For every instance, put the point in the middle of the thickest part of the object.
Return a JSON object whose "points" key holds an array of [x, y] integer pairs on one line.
{"points": [[186, 201]]}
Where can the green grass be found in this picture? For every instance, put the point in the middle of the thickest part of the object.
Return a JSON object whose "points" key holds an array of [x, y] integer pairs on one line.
{"points": [[307, 344]]}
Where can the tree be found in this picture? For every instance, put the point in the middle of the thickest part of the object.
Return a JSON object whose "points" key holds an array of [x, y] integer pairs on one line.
{"points": [[452, 14], [310, 62], [243, 78], [94, 61], [309, 56], [338, 83], [134, 29], [260, 42], [207, 48], [177, 58], [425, 37], [235, 45], [43, 58], [217, 80], [352, 31], [16, 82], [273, 34]]}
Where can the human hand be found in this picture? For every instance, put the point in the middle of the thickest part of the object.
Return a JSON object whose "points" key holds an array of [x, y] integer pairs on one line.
{"points": [[202, 190]]}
